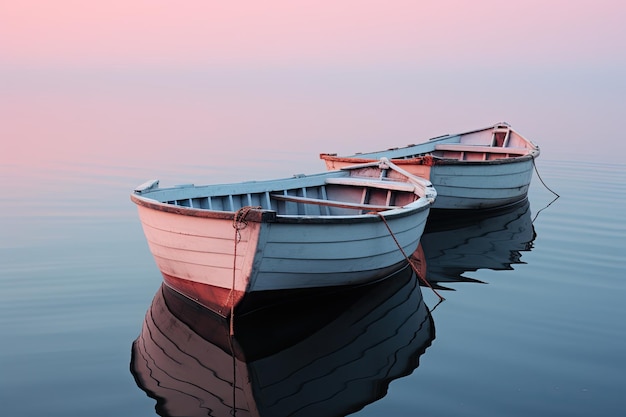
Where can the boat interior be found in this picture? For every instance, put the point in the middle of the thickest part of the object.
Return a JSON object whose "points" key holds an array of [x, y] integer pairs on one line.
{"points": [[336, 197], [476, 152], [499, 142]]}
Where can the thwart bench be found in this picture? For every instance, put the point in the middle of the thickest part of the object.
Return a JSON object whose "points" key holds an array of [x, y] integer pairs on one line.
{"points": [[331, 203], [477, 148]]}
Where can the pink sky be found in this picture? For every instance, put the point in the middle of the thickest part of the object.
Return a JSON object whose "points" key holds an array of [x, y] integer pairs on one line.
{"points": [[158, 33], [109, 80]]}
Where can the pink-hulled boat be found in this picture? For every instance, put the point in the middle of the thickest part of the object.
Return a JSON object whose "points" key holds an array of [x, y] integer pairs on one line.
{"points": [[478, 169], [314, 356], [217, 243]]}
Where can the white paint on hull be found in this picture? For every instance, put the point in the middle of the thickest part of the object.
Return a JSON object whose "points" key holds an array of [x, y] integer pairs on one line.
{"points": [[273, 256]]}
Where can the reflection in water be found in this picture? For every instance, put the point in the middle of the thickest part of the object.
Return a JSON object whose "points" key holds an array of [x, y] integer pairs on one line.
{"points": [[453, 244], [319, 356]]}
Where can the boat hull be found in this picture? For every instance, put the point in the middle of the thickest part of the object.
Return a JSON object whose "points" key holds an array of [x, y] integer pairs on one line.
{"points": [[205, 260], [481, 186]]}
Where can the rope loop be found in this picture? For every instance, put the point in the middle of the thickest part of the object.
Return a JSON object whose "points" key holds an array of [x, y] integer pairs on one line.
{"points": [[240, 222]]}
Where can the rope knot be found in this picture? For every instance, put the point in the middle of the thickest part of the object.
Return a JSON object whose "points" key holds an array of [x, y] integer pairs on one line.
{"points": [[239, 220]]}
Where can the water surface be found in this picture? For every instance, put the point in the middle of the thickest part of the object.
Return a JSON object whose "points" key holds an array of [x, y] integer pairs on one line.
{"points": [[532, 322]]}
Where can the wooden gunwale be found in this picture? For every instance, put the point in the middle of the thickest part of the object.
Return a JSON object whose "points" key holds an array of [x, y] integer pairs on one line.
{"points": [[270, 216], [254, 215], [418, 159]]}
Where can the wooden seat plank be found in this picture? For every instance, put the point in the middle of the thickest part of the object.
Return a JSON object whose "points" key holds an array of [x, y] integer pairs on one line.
{"points": [[478, 148], [332, 203], [373, 183]]}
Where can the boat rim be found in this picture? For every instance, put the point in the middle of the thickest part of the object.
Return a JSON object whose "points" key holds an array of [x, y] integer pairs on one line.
{"points": [[260, 215]]}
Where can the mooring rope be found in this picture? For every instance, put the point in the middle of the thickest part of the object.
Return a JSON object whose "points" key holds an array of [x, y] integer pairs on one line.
{"points": [[233, 410], [239, 223], [540, 179], [548, 188], [408, 259]]}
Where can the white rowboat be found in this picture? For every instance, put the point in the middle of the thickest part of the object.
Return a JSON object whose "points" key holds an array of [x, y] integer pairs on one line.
{"points": [[479, 169], [217, 243]]}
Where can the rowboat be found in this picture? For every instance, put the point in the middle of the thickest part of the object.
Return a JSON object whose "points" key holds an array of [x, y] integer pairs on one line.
{"points": [[478, 169], [217, 243], [454, 245], [324, 356]]}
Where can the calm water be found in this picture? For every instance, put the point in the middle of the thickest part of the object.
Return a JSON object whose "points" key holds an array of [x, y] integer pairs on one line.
{"points": [[533, 321], [543, 334]]}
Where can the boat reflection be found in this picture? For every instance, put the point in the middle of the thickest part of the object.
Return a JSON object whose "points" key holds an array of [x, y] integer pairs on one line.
{"points": [[318, 356], [453, 244]]}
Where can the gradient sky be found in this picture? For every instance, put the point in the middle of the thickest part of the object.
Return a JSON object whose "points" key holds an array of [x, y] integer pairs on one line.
{"points": [[158, 33], [108, 80]]}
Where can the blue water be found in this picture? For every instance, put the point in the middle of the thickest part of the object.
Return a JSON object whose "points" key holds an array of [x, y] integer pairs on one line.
{"points": [[543, 335], [535, 300]]}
